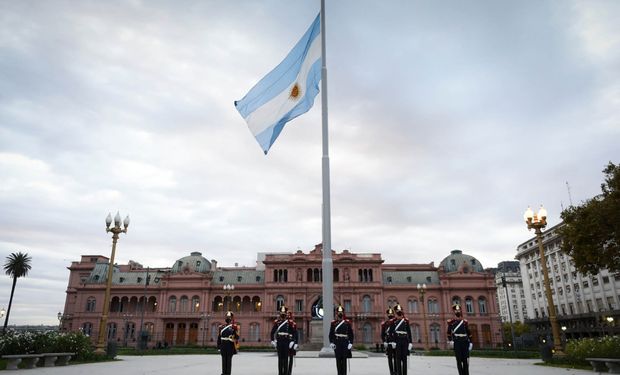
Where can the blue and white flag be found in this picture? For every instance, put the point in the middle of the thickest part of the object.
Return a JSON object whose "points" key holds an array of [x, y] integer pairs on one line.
{"points": [[287, 91]]}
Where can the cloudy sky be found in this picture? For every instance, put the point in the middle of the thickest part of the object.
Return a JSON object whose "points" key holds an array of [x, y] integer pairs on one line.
{"points": [[447, 119]]}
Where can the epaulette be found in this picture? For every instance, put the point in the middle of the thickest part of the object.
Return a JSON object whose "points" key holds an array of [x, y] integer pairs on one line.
{"points": [[292, 322]]}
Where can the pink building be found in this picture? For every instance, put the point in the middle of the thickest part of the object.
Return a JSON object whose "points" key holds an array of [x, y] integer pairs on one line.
{"points": [[184, 304]]}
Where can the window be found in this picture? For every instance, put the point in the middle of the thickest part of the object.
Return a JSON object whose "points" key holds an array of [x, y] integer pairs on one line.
{"points": [[415, 333], [195, 303], [254, 332], [482, 305], [111, 331], [433, 306], [605, 279], [184, 302], [595, 281], [435, 333], [279, 302], [299, 305], [389, 279], [239, 278], [347, 306], [456, 301], [469, 305], [585, 284], [413, 306], [172, 304], [91, 302], [87, 328], [366, 304]]}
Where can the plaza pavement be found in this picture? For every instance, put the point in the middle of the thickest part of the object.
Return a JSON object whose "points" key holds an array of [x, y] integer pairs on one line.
{"points": [[309, 364]]}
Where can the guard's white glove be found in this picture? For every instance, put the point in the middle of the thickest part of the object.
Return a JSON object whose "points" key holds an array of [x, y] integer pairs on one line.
{"points": [[410, 346], [295, 347], [393, 345], [274, 343], [332, 345], [471, 345], [451, 344], [349, 346], [385, 344], [291, 344]]}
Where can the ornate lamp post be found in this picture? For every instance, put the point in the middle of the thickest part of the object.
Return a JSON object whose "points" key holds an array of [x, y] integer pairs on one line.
{"points": [[422, 292], [60, 319], [228, 288], [538, 222], [116, 230]]}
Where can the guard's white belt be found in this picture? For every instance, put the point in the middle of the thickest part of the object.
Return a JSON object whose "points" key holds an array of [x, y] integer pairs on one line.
{"points": [[228, 339], [341, 335], [282, 333], [460, 335], [402, 332]]}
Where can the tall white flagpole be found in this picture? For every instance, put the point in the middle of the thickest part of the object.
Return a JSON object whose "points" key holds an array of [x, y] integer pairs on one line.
{"points": [[328, 285]]}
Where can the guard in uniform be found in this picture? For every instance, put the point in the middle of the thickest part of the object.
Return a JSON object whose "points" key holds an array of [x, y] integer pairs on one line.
{"points": [[459, 336], [402, 342], [293, 351], [341, 340], [387, 338], [284, 339], [227, 339]]}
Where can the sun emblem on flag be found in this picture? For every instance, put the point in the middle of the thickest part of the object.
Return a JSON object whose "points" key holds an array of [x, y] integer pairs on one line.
{"points": [[295, 92]]}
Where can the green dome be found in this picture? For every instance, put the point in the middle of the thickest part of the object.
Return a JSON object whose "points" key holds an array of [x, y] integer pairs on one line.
{"points": [[456, 259], [195, 262]]}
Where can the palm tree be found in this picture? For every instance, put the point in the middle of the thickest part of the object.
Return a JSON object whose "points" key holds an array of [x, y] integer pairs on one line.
{"points": [[17, 265]]}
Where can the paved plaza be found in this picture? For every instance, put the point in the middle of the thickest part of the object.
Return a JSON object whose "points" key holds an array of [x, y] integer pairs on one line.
{"points": [[265, 364]]}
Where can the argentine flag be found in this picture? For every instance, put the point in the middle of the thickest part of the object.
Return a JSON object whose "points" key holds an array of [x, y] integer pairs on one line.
{"points": [[286, 92]]}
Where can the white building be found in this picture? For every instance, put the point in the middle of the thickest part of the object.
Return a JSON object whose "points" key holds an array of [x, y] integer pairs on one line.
{"points": [[583, 303], [512, 293]]}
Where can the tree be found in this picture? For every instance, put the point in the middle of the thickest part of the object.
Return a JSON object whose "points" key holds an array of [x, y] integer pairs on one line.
{"points": [[16, 266], [591, 232]]}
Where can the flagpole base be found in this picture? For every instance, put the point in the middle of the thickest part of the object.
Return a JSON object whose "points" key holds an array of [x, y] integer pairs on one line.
{"points": [[327, 352]]}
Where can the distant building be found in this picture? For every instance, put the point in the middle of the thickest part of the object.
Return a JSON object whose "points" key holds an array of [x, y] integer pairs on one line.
{"points": [[184, 304], [510, 292], [583, 303]]}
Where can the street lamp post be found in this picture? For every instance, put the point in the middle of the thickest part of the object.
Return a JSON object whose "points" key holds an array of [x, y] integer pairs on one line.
{"points": [[422, 292], [60, 319], [538, 222], [512, 331], [116, 230], [610, 324], [126, 317], [228, 288]]}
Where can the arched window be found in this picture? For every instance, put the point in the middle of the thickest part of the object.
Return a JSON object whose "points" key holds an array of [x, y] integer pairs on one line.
{"points": [[415, 333], [130, 330], [87, 328], [184, 302], [91, 302], [469, 305], [172, 304], [456, 300], [316, 275], [336, 275], [195, 303], [433, 306], [256, 302], [482, 305], [111, 331], [412, 304], [218, 304], [366, 304], [367, 333], [279, 302], [435, 333], [309, 275], [360, 274], [254, 332], [392, 301]]}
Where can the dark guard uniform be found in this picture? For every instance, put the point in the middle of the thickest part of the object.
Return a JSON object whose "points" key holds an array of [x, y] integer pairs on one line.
{"points": [[284, 339], [227, 338], [460, 337], [402, 343], [387, 338], [341, 340]]}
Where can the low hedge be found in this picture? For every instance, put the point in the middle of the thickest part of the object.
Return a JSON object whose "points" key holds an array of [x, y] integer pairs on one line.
{"points": [[599, 347], [47, 342]]}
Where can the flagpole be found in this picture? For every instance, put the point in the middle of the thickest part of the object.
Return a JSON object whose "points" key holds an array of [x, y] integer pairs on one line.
{"points": [[328, 286]]}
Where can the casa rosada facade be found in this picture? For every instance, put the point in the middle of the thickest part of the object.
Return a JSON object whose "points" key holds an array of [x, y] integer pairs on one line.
{"points": [[184, 304]]}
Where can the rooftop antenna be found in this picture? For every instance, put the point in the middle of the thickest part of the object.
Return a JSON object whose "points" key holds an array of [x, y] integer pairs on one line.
{"points": [[570, 199]]}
